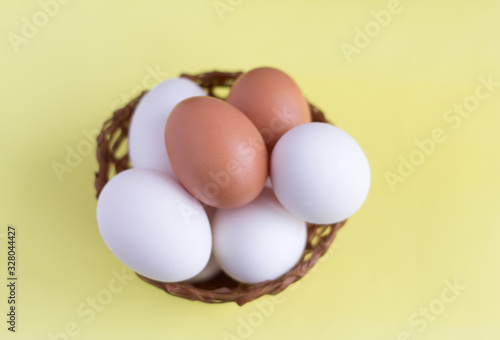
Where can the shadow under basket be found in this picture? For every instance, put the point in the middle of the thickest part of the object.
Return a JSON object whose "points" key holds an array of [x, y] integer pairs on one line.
{"points": [[112, 156]]}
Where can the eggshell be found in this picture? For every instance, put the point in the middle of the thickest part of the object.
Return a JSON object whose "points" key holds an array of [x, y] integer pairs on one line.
{"points": [[320, 173], [210, 211], [259, 241], [272, 101], [216, 152], [211, 270], [152, 225], [147, 126]]}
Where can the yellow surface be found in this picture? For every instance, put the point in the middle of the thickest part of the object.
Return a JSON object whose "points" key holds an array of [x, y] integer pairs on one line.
{"points": [[388, 275]]}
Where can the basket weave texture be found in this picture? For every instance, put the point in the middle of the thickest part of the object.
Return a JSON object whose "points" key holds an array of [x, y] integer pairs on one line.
{"points": [[112, 159]]}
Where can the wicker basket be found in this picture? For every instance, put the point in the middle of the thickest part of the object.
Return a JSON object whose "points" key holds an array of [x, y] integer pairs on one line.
{"points": [[112, 156]]}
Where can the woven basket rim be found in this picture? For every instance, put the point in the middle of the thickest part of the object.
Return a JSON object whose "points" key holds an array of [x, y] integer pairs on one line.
{"points": [[220, 289]]}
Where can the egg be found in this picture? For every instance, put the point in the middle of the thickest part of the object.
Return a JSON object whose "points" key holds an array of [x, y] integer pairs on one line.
{"points": [[320, 173], [210, 211], [152, 225], [259, 241], [211, 270], [145, 139], [268, 183], [216, 152], [272, 101]]}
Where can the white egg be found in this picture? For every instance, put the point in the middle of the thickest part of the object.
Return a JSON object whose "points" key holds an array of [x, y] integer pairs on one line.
{"points": [[259, 241], [210, 211], [209, 272], [152, 225], [147, 127], [212, 268], [320, 173]]}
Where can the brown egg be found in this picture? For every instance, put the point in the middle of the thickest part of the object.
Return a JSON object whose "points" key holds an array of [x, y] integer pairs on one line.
{"points": [[272, 101], [216, 152]]}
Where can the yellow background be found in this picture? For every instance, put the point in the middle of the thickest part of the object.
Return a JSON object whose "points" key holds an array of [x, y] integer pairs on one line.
{"points": [[393, 258]]}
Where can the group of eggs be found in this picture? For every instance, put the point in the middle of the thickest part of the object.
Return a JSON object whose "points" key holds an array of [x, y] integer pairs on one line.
{"points": [[228, 185]]}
